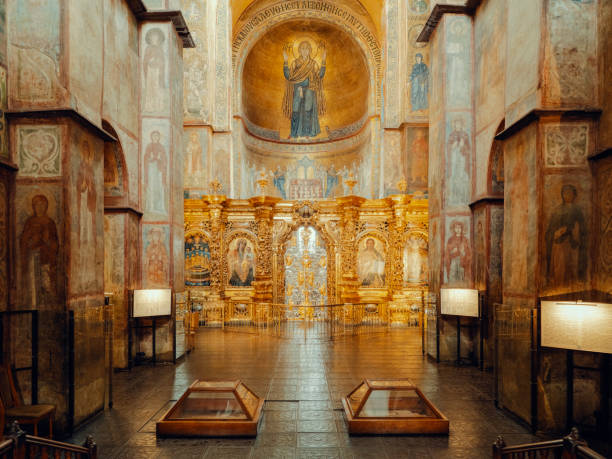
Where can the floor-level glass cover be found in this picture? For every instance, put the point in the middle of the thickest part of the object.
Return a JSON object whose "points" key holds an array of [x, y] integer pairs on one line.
{"points": [[208, 405], [395, 404]]}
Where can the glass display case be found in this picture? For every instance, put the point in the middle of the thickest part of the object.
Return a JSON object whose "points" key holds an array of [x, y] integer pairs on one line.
{"points": [[394, 406], [211, 409]]}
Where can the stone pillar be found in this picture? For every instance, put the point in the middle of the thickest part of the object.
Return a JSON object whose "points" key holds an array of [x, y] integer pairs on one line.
{"points": [[264, 213], [348, 280], [161, 149], [450, 167]]}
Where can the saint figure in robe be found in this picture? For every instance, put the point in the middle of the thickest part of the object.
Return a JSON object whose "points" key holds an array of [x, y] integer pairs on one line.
{"points": [[39, 246], [458, 255], [419, 84], [304, 101], [371, 265], [566, 247]]}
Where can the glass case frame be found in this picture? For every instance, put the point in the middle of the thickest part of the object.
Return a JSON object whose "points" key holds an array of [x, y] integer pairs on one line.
{"points": [[397, 420], [199, 411]]}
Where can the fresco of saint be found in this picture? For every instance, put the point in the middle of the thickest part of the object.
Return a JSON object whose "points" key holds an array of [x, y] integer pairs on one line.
{"points": [[154, 71], [304, 101], [419, 157], [156, 259], [419, 84], [458, 255], [371, 265], [155, 175], [566, 248], [39, 245], [241, 263]]}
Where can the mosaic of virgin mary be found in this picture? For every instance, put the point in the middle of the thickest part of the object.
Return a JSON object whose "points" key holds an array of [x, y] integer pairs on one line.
{"points": [[304, 101]]}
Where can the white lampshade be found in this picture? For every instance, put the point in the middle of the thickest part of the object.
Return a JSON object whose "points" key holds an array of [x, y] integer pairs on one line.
{"points": [[577, 326], [459, 302], [152, 302]]}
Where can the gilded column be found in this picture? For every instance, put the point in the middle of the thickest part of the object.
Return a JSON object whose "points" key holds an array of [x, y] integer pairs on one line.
{"points": [[349, 283], [264, 213], [401, 204], [217, 227]]}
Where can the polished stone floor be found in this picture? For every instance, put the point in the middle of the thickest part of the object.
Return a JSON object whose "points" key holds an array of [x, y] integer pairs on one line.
{"points": [[303, 382]]}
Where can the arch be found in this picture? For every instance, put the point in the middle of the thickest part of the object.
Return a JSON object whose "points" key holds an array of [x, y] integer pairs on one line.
{"points": [[247, 36], [495, 170], [330, 246], [115, 168]]}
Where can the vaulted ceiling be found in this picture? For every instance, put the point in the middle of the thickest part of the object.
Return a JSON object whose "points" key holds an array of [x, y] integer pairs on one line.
{"points": [[373, 7]]}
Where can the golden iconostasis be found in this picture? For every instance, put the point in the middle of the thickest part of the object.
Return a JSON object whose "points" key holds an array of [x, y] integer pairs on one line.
{"points": [[303, 253]]}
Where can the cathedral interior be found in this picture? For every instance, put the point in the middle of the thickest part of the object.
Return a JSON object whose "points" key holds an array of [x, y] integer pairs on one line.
{"points": [[299, 197]]}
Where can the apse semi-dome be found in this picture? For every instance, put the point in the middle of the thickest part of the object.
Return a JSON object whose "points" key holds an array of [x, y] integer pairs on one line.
{"points": [[320, 94]]}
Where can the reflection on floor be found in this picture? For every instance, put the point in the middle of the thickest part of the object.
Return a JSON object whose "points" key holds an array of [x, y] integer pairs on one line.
{"points": [[303, 382]]}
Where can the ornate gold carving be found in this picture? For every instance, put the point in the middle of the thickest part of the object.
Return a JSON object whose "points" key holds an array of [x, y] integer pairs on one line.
{"points": [[270, 226]]}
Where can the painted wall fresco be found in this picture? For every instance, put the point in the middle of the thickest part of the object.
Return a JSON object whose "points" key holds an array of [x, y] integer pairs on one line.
{"points": [[155, 71], [85, 60], [570, 54], [458, 251], [520, 216], [241, 262], [497, 168], [4, 240], [223, 66], [114, 169], [35, 52], [38, 150], [457, 190], [605, 77], [566, 145], [371, 253], [3, 59], [480, 249], [121, 72], [39, 240], [86, 202], [496, 231], [603, 227], [393, 56], [156, 256], [307, 176], [155, 169], [566, 234], [4, 153], [306, 268], [116, 281], [196, 81], [415, 259], [490, 57], [522, 54], [197, 259], [458, 61], [394, 165], [196, 160], [178, 258], [416, 158]]}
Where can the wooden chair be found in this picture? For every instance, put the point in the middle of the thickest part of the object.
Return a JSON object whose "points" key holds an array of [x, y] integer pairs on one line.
{"points": [[15, 410]]}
